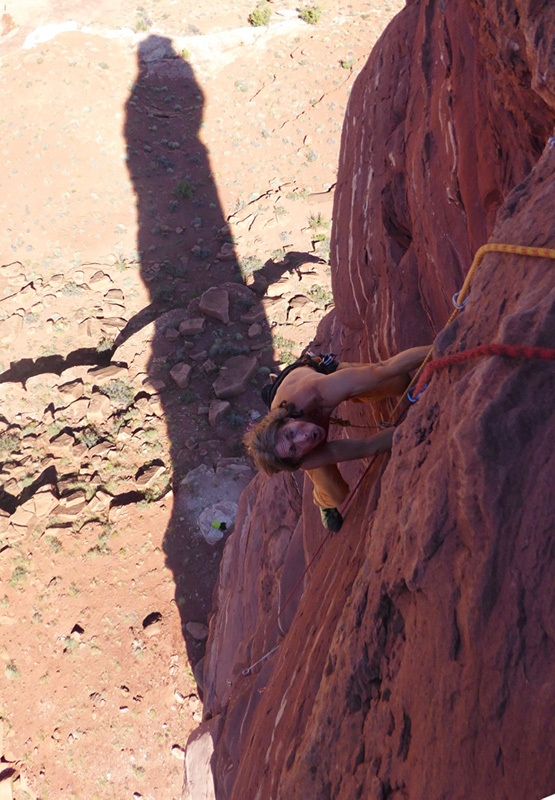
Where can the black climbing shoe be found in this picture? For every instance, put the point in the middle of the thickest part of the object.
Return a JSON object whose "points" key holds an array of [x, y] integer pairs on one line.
{"points": [[331, 519]]}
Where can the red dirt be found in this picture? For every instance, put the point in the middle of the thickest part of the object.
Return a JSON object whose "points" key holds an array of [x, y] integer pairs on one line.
{"points": [[94, 704]]}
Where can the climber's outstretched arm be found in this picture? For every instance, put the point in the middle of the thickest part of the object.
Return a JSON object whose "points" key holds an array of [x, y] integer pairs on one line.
{"points": [[348, 450], [352, 381]]}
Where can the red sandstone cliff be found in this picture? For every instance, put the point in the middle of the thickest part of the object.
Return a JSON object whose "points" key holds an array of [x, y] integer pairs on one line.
{"points": [[420, 660]]}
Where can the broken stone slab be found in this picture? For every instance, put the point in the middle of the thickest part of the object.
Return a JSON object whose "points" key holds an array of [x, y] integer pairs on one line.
{"points": [[102, 376], [146, 478], [301, 308], [62, 442], [193, 326], [89, 328], [285, 285], [197, 630], [215, 303], [181, 373], [275, 310], [23, 514], [114, 294], [99, 408], [65, 514], [73, 389], [75, 411], [111, 326], [99, 502], [74, 499], [44, 502], [199, 777], [100, 449], [46, 380], [227, 252], [100, 281], [254, 314], [254, 330], [257, 282], [171, 334], [217, 411], [78, 450], [235, 470], [234, 376], [209, 366]]}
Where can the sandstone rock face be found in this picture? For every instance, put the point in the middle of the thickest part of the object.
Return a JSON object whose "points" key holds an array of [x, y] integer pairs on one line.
{"points": [[419, 660], [452, 124]]}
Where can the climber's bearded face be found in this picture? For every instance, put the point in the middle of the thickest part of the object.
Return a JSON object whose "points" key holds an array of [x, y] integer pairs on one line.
{"points": [[297, 437]]}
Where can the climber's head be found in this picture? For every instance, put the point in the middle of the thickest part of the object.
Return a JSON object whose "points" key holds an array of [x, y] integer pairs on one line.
{"points": [[264, 440]]}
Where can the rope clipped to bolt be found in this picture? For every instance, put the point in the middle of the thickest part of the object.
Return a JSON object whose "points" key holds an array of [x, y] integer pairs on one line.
{"points": [[460, 300], [508, 350]]}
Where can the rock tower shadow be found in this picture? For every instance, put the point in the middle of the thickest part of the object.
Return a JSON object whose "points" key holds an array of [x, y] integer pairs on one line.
{"points": [[181, 228]]}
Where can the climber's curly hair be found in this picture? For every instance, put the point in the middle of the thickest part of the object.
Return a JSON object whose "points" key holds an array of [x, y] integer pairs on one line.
{"points": [[260, 441]]}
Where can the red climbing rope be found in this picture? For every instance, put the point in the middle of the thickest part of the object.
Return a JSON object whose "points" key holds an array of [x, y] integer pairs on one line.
{"points": [[509, 350]]}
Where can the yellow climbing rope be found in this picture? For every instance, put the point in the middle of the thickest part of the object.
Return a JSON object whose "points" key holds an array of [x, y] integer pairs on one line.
{"points": [[460, 298]]}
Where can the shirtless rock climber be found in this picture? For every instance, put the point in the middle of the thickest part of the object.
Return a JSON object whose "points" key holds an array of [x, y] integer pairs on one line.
{"points": [[293, 435]]}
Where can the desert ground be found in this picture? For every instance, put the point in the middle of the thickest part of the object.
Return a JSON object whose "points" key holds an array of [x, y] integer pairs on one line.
{"points": [[165, 198]]}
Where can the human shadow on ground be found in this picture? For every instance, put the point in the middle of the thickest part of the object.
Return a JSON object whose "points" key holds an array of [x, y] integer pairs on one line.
{"points": [[181, 229]]}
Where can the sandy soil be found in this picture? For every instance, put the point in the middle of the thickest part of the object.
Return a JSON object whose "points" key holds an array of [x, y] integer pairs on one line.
{"points": [[105, 107]]}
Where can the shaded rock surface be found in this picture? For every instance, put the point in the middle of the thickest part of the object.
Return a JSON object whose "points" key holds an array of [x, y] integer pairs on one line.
{"points": [[419, 661]]}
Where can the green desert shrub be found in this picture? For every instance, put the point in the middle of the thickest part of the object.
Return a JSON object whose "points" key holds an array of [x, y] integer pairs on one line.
{"points": [[310, 14], [261, 14]]}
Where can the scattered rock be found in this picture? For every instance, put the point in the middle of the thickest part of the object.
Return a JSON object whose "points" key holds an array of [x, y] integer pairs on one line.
{"points": [[76, 411], [178, 752], [104, 375], [254, 314], [217, 411], [227, 252], [99, 408], [147, 477], [62, 442], [254, 330], [181, 373], [74, 389], [217, 520], [193, 326], [215, 303], [234, 376], [197, 630]]}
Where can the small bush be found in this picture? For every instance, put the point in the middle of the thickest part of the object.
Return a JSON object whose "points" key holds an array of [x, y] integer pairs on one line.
{"points": [[250, 264], [260, 15], [311, 14], [71, 289], [9, 442], [104, 344], [318, 221], [320, 296], [89, 436], [11, 670], [120, 392], [184, 189]]}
